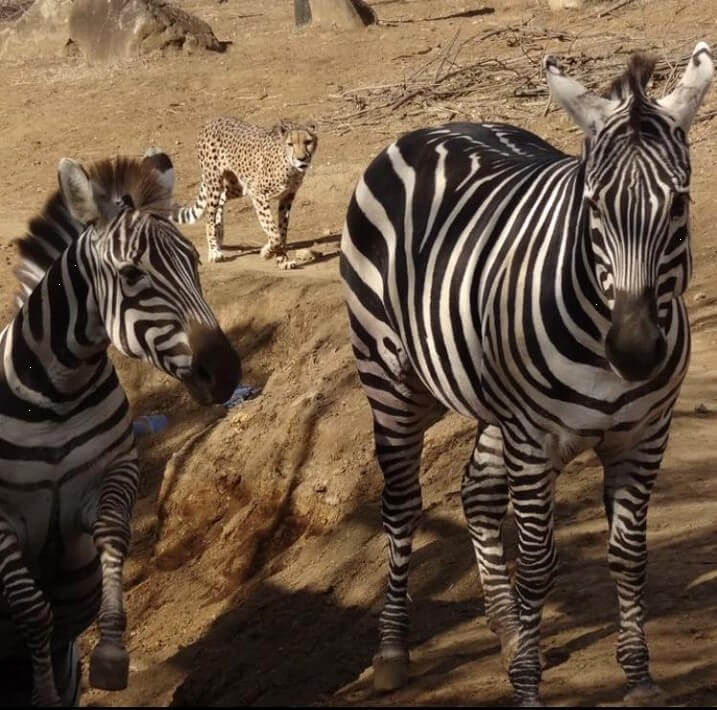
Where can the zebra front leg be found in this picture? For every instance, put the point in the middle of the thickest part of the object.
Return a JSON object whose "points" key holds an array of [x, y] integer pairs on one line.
{"points": [[275, 246], [629, 479], [109, 662], [484, 493], [531, 480], [30, 612]]}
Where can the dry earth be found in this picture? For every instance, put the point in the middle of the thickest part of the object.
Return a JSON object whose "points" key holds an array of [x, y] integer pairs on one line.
{"points": [[258, 563]]}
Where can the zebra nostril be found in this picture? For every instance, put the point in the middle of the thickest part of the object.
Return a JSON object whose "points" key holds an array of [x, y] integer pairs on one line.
{"points": [[204, 376]]}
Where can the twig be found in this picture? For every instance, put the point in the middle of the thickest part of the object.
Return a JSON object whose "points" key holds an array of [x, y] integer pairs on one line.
{"points": [[601, 13]]}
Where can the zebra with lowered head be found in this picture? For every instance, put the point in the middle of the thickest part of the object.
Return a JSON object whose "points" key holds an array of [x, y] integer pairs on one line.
{"points": [[102, 264], [489, 273]]}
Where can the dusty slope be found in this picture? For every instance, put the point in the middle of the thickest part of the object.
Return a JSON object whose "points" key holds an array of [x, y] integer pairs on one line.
{"points": [[258, 566]]}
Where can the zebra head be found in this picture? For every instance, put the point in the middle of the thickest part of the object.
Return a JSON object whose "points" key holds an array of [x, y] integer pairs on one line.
{"points": [[144, 273], [636, 198]]}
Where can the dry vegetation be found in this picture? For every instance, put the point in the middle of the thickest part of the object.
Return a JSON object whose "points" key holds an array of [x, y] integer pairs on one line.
{"points": [[258, 564]]}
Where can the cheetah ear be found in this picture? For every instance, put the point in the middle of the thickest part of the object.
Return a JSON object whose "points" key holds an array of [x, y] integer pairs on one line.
{"points": [[281, 128], [311, 127], [85, 200]]}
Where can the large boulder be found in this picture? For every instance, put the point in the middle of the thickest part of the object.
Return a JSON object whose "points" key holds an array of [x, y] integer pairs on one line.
{"points": [[39, 31], [117, 29]]}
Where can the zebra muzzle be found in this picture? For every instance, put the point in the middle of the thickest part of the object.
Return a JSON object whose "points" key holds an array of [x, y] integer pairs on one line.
{"points": [[216, 367], [635, 345]]}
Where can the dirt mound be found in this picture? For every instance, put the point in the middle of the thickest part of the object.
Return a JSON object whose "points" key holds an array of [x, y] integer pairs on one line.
{"points": [[118, 29]]}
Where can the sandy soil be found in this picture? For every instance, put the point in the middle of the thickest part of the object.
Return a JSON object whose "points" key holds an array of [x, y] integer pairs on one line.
{"points": [[258, 564]]}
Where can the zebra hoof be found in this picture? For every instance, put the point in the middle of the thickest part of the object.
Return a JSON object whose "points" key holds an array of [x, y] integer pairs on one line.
{"points": [[109, 667], [390, 669], [50, 701], [647, 694]]}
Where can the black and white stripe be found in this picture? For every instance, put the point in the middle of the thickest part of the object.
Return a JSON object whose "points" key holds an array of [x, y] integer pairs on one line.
{"points": [[488, 273], [68, 463]]}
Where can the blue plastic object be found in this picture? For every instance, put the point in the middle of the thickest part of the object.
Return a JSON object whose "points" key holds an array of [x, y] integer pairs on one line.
{"points": [[150, 424], [241, 394]]}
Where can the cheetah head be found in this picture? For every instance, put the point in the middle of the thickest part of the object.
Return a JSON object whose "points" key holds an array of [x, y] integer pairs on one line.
{"points": [[299, 143]]}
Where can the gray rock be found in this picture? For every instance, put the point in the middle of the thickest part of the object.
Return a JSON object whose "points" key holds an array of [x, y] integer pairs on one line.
{"points": [[117, 29]]}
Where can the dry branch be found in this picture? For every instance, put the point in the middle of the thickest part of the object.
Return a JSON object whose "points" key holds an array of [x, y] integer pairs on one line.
{"points": [[451, 83]]}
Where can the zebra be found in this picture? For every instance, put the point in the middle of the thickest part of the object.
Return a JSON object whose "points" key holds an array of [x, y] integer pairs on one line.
{"points": [[488, 273], [101, 265]]}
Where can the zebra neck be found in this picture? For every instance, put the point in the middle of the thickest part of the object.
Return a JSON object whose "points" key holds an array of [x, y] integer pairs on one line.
{"points": [[55, 349]]}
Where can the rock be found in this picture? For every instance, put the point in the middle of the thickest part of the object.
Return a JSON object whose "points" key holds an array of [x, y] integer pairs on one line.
{"points": [[343, 14], [39, 31], [565, 4], [702, 409], [306, 256], [118, 29]]}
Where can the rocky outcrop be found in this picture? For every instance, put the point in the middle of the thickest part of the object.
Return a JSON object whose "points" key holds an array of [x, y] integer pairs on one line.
{"points": [[40, 29], [117, 29]]}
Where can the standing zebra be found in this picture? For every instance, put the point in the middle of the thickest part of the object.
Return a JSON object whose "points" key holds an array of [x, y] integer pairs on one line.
{"points": [[489, 273], [68, 462]]}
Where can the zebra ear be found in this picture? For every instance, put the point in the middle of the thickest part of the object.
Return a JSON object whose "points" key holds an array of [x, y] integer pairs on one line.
{"points": [[586, 108], [158, 161], [683, 102], [80, 193]]}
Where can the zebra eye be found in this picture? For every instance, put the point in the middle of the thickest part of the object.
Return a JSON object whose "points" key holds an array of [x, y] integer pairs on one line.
{"points": [[131, 274], [677, 240], [679, 205]]}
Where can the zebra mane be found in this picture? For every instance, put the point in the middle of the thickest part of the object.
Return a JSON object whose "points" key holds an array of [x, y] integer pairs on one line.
{"points": [[633, 83], [138, 184]]}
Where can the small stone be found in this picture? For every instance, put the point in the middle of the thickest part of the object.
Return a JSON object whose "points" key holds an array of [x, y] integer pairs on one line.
{"points": [[702, 409], [700, 296], [306, 256], [320, 488]]}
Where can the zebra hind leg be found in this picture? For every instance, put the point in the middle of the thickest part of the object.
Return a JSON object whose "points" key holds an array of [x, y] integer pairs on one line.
{"points": [[109, 662], [484, 493], [31, 613], [401, 415]]}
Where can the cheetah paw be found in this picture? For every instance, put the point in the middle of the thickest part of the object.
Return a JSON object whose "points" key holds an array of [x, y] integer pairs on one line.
{"points": [[215, 255], [267, 251], [284, 263]]}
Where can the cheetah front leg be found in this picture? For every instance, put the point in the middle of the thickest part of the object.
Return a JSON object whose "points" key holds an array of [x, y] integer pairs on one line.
{"points": [[274, 247], [215, 219], [285, 202]]}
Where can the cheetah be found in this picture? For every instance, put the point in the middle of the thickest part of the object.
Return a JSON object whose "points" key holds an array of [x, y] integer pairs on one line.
{"points": [[238, 158]]}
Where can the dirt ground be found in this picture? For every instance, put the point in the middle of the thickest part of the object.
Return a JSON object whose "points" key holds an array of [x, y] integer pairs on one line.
{"points": [[258, 563]]}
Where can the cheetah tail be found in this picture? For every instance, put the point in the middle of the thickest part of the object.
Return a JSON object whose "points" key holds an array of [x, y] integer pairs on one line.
{"points": [[192, 214]]}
